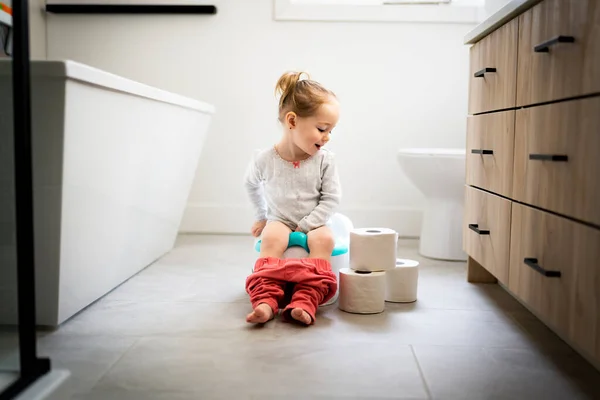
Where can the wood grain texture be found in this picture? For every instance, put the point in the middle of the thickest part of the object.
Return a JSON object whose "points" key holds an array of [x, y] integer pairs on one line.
{"points": [[570, 188], [492, 213], [569, 304], [495, 132], [496, 90], [567, 69]]}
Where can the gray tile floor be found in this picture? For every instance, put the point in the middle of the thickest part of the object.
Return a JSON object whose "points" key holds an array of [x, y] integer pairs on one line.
{"points": [[177, 331], [9, 356]]}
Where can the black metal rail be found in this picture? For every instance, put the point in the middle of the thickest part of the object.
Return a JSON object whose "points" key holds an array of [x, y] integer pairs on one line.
{"points": [[71, 8], [32, 367]]}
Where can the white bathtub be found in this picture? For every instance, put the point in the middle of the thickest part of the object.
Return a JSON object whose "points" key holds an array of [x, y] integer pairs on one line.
{"points": [[114, 161]]}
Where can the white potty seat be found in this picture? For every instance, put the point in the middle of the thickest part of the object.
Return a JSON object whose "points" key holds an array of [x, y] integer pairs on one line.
{"points": [[340, 226]]}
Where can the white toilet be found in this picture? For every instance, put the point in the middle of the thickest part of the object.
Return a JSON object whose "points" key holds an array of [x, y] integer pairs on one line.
{"points": [[440, 176]]}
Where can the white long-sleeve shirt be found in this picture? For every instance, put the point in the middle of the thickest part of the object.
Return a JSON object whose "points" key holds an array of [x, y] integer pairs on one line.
{"points": [[302, 194]]}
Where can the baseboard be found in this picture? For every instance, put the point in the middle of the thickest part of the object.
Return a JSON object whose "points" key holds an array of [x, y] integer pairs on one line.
{"points": [[232, 219]]}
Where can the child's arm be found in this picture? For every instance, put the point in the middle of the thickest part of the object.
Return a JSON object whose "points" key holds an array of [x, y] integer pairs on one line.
{"points": [[254, 188], [331, 194]]}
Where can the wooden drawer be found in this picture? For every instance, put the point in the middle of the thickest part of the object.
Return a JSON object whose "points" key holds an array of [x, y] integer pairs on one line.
{"points": [[569, 303], [568, 129], [490, 149], [498, 53], [486, 231], [558, 70]]}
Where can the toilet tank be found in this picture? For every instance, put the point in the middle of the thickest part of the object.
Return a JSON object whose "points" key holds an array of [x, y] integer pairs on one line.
{"points": [[113, 164]]}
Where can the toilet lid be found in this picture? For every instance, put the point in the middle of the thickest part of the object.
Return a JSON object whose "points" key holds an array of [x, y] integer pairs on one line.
{"points": [[430, 152]]}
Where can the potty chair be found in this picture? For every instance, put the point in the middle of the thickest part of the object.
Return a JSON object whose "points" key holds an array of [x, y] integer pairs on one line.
{"points": [[341, 226]]}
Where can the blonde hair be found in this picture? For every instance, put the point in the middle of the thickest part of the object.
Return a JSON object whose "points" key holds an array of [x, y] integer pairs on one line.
{"points": [[303, 97]]}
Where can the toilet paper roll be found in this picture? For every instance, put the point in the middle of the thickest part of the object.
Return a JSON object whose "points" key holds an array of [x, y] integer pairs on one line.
{"points": [[402, 281], [361, 292], [373, 249]]}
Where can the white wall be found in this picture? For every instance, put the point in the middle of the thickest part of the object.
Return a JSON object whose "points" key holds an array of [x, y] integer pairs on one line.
{"points": [[400, 85], [491, 6], [37, 29]]}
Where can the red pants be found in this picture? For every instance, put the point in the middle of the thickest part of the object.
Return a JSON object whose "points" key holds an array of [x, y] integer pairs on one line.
{"points": [[315, 283]]}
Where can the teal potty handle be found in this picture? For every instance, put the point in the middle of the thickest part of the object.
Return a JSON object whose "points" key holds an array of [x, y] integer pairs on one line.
{"points": [[298, 239], [301, 240]]}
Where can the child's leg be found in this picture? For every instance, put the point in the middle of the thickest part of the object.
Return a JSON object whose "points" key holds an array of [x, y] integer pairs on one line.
{"points": [[321, 243], [274, 239], [266, 289], [265, 286], [265, 295], [316, 285], [307, 298]]}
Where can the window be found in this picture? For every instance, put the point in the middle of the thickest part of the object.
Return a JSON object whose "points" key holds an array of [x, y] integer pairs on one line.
{"points": [[432, 11]]}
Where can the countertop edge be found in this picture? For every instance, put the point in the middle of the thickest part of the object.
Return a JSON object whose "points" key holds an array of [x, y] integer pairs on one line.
{"points": [[499, 18]]}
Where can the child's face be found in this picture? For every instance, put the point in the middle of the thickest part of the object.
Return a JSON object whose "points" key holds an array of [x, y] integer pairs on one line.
{"points": [[311, 133]]}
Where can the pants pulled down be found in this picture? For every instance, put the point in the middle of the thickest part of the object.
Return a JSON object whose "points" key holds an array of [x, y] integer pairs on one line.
{"points": [[314, 283]]}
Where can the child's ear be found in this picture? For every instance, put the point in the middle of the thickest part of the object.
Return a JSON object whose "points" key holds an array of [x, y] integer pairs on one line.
{"points": [[291, 119]]}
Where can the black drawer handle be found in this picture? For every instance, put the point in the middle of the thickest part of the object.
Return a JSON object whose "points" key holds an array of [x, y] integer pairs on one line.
{"points": [[533, 263], [545, 47], [481, 151], [475, 228], [549, 157], [481, 73]]}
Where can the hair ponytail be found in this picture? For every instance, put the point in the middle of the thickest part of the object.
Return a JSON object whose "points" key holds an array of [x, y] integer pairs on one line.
{"points": [[286, 85], [302, 97]]}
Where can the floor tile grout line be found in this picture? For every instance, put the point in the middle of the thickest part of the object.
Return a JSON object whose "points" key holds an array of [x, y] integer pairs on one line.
{"points": [[427, 390]]}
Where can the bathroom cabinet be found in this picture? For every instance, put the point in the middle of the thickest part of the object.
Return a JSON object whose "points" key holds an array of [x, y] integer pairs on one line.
{"points": [[487, 237], [532, 193], [493, 64], [493, 135]]}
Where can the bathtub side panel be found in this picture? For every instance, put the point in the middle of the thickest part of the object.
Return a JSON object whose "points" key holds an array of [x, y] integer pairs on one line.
{"points": [[128, 169]]}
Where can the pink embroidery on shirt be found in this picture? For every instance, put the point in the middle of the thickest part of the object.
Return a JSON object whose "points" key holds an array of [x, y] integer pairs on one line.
{"points": [[296, 164]]}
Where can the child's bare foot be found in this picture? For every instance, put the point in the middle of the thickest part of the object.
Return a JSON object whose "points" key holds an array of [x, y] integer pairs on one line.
{"points": [[261, 314], [300, 315]]}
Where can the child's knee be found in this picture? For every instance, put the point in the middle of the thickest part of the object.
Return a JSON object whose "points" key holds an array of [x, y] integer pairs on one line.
{"points": [[275, 238], [321, 239]]}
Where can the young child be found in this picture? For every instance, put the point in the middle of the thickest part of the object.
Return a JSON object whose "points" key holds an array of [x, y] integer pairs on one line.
{"points": [[294, 186]]}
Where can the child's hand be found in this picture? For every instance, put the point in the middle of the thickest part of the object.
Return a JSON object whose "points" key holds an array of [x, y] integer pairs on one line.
{"points": [[258, 227]]}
